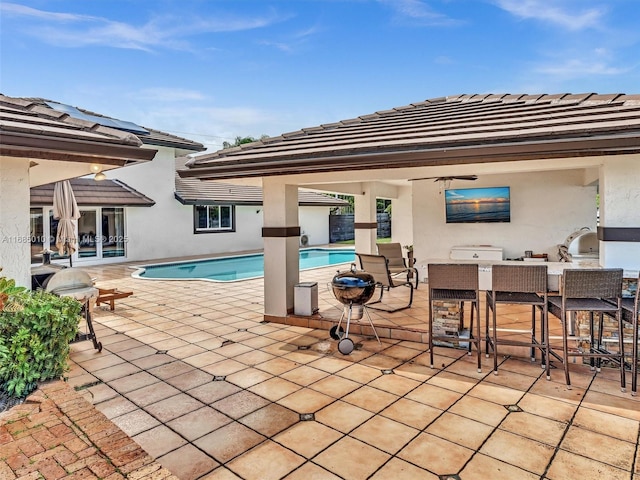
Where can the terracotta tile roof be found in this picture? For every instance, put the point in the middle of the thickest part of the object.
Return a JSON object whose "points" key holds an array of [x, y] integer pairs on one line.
{"points": [[442, 131], [195, 192], [88, 192], [31, 129]]}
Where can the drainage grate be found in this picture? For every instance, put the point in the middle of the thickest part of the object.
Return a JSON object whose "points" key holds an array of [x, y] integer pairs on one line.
{"points": [[307, 417], [242, 329], [219, 378], [303, 347], [161, 352], [450, 476], [227, 342], [387, 372]]}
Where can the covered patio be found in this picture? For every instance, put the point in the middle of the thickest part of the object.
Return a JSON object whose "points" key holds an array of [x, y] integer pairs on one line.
{"points": [[192, 373], [557, 153]]}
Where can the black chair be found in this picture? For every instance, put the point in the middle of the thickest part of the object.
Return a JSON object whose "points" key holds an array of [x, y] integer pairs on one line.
{"points": [[457, 283], [630, 314], [596, 291], [519, 285]]}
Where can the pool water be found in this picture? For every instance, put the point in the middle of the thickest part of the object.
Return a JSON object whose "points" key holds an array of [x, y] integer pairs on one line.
{"points": [[240, 267]]}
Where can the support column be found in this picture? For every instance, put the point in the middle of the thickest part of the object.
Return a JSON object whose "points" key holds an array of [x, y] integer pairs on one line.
{"points": [[15, 255], [281, 236], [365, 219], [619, 230]]}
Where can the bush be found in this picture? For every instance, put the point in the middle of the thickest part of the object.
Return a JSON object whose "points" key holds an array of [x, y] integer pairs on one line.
{"points": [[35, 331]]}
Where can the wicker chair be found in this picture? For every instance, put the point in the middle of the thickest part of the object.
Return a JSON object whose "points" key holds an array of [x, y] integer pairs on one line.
{"points": [[377, 266], [519, 285], [396, 262], [596, 291], [457, 283]]}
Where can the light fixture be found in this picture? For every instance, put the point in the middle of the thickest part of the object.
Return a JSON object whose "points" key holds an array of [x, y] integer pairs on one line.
{"points": [[95, 168], [99, 177]]}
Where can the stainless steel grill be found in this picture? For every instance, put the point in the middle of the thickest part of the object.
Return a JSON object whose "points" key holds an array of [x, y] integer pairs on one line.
{"points": [[76, 283]]}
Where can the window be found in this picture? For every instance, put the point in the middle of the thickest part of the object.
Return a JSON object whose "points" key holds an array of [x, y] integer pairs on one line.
{"points": [[214, 218]]}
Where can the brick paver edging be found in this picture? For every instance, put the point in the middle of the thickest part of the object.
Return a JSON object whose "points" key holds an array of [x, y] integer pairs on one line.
{"points": [[57, 434]]}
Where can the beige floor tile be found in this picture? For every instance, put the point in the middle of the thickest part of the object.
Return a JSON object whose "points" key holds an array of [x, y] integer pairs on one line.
{"points": [[306, 400], [460, 430], [600, 448], [607, 424], [311, 471], [116, 406], [514, 380], [117, 371], [203, 359], [189, 380], [335, 386], [343, 416], [352, 459], [435, 454], [385, 434], [308, 438], [169, 370], [173, 407], [413, 414], [482, 466], [332, 365], [249, 377], [419, 373], [370, 398], [480, 410], [270, 420], [612, 404], [135, 422], [99, 393], [453, 381], [240, 404], [304, 375], [499, 394], [200, 422], [547, 407], [213, 391], [397, 469], [267, 461], [277, 366], [137, 352], [188, 463], [359, 373], [275, 388], [229, 441], [557, 390], [542, 429], [159, 440], [569, 465], [519, 451], [434, 396], [152, 393], [396, 384]]}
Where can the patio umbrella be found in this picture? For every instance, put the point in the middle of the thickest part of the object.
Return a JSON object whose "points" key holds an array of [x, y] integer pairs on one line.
{"points": [[65, 210]]}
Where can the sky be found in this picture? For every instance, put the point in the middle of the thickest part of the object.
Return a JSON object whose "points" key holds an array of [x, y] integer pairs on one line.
{"points": [[213, 70]]}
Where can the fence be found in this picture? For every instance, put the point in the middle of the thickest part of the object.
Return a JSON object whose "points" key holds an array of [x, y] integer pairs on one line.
{"points": [[341, 227]]}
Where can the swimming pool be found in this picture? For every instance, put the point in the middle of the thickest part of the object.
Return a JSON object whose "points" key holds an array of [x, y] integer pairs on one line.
{"points": [[239, 267]]}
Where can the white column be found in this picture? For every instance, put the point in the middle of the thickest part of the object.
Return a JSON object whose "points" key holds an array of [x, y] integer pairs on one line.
{"points": [[365, 219], [15, 256], [619, 229], [281, 235]]}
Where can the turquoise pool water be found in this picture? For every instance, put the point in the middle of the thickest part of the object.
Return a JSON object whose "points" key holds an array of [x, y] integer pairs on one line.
{"points": [[240, 267]]}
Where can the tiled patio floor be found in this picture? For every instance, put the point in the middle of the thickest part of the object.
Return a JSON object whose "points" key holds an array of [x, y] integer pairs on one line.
{"points": [[190, 371]]}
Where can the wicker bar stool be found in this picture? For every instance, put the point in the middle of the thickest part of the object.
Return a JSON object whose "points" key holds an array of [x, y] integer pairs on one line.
{"points": [[630, 314], [457, 283], [519, 285], [596, 291]]}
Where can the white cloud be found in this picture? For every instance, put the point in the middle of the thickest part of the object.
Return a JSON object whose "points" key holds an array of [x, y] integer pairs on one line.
{"points": [[72, 30], [418, 11], [573, 68], [570, 17]]}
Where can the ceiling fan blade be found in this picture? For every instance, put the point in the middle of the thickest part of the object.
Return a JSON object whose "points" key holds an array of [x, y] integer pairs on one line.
{"points": [[444, 179]]}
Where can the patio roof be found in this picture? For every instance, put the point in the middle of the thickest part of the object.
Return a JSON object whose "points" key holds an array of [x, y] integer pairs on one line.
{"points": [[195, 192], [452, 130], [89, 192], [33, 130]]}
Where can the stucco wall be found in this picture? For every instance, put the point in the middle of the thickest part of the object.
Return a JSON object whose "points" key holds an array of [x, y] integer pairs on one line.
{"points": [[545, 208], [14, 220], [166, 229]]}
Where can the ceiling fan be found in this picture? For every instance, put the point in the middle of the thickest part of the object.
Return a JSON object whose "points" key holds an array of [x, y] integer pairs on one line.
{"points": [[447, 179]]}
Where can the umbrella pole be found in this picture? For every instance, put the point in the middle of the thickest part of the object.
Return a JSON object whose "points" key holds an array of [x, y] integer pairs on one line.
{"points": [[70, 254]]}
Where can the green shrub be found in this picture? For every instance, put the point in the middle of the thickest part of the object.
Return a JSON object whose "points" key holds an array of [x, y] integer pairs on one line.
{"points": [[35, 331]]}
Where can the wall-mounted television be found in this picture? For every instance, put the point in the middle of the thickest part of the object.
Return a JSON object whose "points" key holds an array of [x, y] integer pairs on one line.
{"points": [[478, 205]]}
